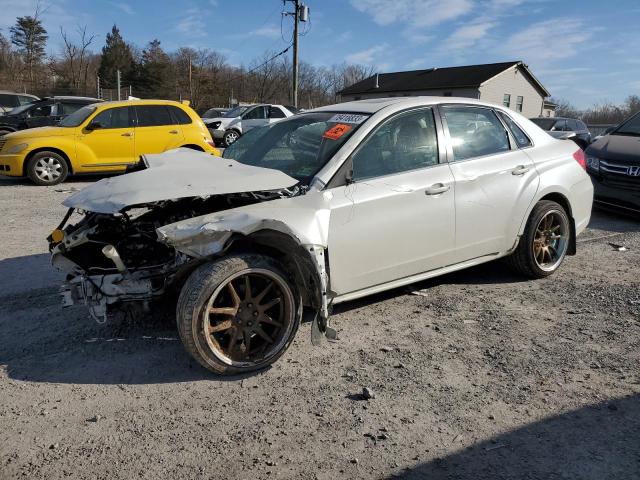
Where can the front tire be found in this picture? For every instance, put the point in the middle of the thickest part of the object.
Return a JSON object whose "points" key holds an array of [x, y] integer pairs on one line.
{"points": [[237, 314], [47, 168], [545, 241], [229, 137]]}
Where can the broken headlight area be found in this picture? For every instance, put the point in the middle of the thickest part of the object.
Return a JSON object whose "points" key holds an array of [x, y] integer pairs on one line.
{"points": [[115, 259]]}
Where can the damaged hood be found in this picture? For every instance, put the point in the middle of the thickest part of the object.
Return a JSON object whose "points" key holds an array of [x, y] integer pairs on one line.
{"points": [[177, 174]]}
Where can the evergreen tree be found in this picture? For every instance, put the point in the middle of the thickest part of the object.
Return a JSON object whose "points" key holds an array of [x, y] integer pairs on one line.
{"points": [[30, 38], [116, 55], [155, 71]]}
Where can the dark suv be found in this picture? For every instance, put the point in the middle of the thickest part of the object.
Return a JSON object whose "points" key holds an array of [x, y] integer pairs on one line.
{"points": [[42, 113], [561, 127]]}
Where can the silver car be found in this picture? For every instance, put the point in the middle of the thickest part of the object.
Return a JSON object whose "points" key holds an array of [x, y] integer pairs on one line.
{"points": [[321, 208]]}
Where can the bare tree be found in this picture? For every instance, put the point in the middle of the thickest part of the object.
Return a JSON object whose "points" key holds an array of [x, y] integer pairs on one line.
{"points": [[74, 62]]}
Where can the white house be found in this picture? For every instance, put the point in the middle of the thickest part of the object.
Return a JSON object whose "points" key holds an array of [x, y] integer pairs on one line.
{"points": [[509, 83]]}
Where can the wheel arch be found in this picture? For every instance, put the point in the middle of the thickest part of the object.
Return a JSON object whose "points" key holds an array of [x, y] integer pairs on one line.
{"points": [[563, 201], [193, 147], [46, 149]]}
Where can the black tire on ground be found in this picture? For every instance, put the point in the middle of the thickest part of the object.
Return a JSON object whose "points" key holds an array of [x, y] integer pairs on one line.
{"points": [[47, 168], [195, 309], [523, 259], [229, 137]]}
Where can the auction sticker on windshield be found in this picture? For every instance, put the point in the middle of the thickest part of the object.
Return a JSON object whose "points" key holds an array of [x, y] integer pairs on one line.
{"points": [[335, 132], [348, 118]]}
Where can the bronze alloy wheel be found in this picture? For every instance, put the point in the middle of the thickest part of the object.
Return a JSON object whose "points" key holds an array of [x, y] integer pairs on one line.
{"points": [[550, 240], [249, 317]]}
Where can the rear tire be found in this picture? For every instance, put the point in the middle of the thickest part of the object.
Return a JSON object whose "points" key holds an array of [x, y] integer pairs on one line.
{"points": [[47, 168], [544, 243], [237, 314]]}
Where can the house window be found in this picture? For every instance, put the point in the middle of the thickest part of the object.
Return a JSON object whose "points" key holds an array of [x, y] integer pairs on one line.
{"points": [[447, 94], [506, 100], [519, 102]]}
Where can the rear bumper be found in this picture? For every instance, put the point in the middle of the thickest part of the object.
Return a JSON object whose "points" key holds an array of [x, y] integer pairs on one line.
{"points": [[11, 165]]}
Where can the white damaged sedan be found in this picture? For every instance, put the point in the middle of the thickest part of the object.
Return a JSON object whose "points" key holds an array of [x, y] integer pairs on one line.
{"points": [[324, 207]]}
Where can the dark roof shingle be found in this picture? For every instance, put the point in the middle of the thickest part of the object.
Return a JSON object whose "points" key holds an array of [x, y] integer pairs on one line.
{"points": [[432, 78]]}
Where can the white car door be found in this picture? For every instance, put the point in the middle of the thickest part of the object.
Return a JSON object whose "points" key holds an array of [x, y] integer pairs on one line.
{"points": [[396, 218], [275, 113], [495, 180]]}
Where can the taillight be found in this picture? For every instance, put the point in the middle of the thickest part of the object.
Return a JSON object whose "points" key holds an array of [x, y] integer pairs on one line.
{"points": [[580, 158]]}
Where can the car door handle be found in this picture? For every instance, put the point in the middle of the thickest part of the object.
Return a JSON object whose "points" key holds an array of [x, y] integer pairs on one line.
{"points": [[127, 134], [173, 132], [437, 189], [520, 170]]}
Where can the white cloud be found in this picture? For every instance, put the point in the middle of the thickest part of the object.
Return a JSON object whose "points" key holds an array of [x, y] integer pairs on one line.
{"points": [[467, 35], [192, 23], [368, 56], [269, 32], [125, 7], [414, 13], [532, 44]]}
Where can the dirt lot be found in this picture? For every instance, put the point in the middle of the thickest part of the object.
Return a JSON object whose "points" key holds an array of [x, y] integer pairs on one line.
{"points": [[481, 376]]}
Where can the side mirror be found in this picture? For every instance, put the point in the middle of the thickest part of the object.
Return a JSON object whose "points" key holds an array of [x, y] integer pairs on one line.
{"points": [[348, 176], [94, 126]]}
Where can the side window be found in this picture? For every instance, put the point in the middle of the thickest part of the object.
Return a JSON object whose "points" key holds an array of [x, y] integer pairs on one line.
{"points": [[402, 143], [275, 112], [559, 126], [113, 118], [573, 125], [475, 132], [69, 108], [180, 117], [41, 111], [153, 116], [257, 113], [24, 100], [582, 125], [521, 138]]}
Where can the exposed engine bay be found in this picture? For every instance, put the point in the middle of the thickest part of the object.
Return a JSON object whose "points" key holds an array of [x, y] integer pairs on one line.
{"points": [[112, 259]]}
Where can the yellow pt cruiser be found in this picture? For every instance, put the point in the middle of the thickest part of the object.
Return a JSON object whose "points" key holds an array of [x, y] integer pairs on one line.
{"points": [[103, 137]]}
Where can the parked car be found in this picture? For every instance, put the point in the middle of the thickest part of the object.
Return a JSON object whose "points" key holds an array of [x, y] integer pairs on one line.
{"points": [[563, 128], [381, 193], [102, 137], [41, 113], [228, 128], [212, 114], [613, 162], [11, 100]]}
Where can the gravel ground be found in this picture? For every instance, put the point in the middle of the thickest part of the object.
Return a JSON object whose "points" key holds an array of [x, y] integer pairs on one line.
{"points": [[480, 375]]}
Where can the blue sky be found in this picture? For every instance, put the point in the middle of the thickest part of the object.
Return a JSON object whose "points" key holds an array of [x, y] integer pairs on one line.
{"points": [[585, 51]]}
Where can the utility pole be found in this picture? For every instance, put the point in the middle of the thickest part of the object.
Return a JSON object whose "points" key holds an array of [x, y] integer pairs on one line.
{"points": [[118, 82], [300, 13]]}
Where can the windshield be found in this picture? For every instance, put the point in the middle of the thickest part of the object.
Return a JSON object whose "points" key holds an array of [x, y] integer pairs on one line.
{"points": [[20, 109], [630, 127], [544, 123], [298, 146], [234, 112], [77, 117]]}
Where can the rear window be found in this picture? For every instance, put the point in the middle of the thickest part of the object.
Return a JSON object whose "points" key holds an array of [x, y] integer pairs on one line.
{"points": [[521, 138], [180, 117], [153, 115], [8, 101]]}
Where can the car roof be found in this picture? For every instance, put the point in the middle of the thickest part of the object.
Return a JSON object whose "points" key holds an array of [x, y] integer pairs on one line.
{"points": [[71, 97], [124, 103], [18, 93], [373, 105]]}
